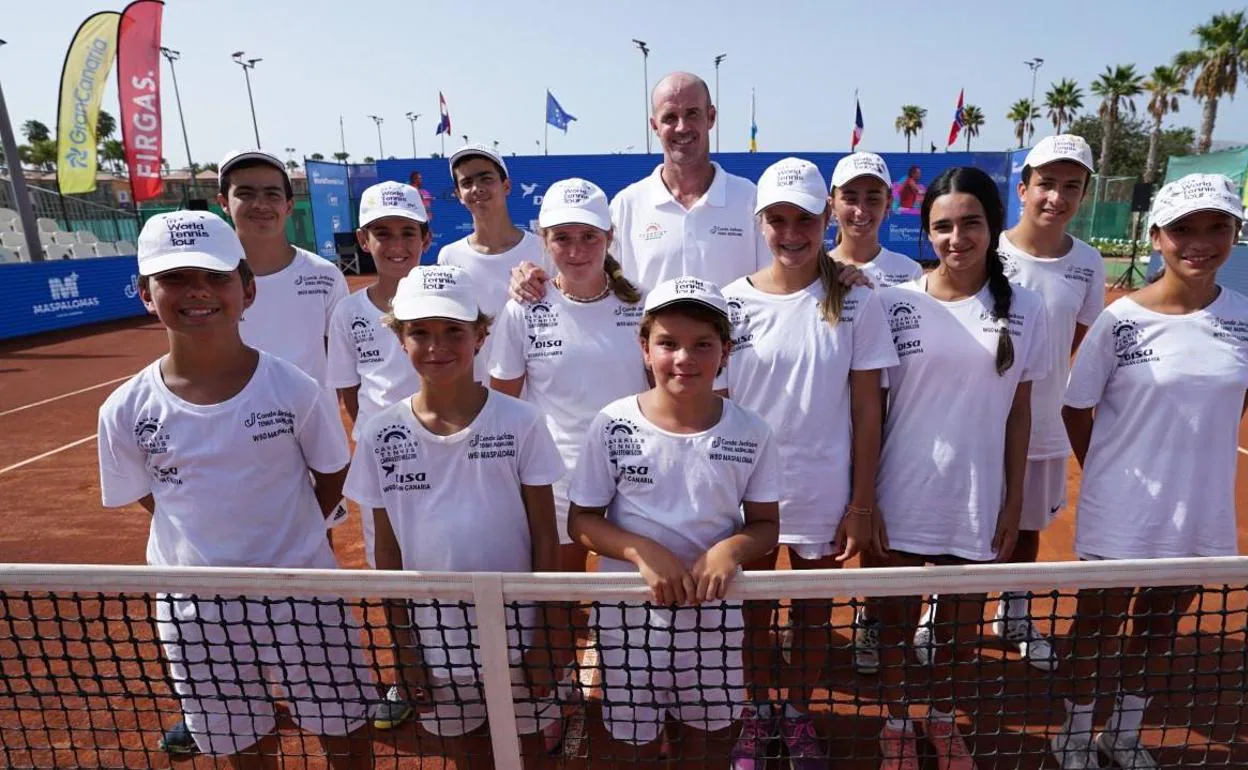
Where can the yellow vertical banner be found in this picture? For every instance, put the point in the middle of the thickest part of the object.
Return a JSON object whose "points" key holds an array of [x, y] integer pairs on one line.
{"points": [[83, 78]]}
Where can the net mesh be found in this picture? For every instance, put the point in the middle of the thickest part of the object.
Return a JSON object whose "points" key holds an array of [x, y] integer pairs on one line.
{"points": [[509, 671]]}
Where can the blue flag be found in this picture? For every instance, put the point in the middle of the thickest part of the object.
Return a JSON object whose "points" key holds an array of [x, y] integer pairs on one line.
{"points": [[556, 115]]}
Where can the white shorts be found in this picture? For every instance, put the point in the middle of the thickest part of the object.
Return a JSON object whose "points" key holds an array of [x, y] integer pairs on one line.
{"points": [[811, 551], [459, 706], [703, 688], [1044, 493], [223, 656]]}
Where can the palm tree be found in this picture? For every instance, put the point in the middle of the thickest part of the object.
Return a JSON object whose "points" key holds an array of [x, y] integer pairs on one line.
{"points": [[316, 156], [972, 121], [1064, 99], [34, 131], [113, 154], [1023, 115], [341, 157], [213, 167], [105, 126], [1117, 86], [369, 159], [1165, 86], [910, 122], [1223, 52]]}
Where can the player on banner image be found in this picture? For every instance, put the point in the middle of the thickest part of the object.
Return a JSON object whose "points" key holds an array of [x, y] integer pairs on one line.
{"points": [[969, 343], [860, 195], [682, 486], [212, 434], [793, 322], [1153, 410]]}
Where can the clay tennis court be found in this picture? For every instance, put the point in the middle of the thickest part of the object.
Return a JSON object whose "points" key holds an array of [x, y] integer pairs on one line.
{"points": [[53, 385]]}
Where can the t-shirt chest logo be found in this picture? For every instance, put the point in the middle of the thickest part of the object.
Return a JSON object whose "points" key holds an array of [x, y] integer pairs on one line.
{"points": [[625, 446], [903, 317], [992, 325], [1234, 329], [492, 446], [628, 315], [727, 231], [394, 444], [739, 317], [309, 284], [1127, 347], [733, 450], [270, 424], [652, 232], [1079, 274], [540, 315], [151, 435], [1009, 266], [362, 335]]}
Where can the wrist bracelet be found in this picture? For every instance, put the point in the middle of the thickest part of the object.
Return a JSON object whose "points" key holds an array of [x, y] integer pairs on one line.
{"points": [[856, 511]]}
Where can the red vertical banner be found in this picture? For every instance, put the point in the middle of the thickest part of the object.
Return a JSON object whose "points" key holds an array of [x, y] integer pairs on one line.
{"points": [[138, 85]]}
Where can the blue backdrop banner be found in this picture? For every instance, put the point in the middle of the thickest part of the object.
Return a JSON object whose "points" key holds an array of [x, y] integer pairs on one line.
{"points": [[531, 175], [331, 204], [41, 296], [1014, 206]]}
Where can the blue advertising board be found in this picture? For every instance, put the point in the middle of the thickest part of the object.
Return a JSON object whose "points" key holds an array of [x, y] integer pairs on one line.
{"points": [[531, 175], [41, 296], [331, 204]]}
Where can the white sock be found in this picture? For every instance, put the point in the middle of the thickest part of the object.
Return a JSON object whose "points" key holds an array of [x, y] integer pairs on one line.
{"points": [[929, 612], [897, 725], [1079, 719], [1017, 606], [1128, 713], [762, 710], [936, 715], [791, 711]]}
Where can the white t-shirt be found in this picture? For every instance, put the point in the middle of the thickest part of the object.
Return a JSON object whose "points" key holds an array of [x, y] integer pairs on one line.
{"points": [[891, 269], [1072, 288], [942, 469], [684, 491], [291, 314], [230, 480], [363, 352], [1159, 477], [455, 505], [657, 239], [576, 358], [792, 367], [490, 275]]}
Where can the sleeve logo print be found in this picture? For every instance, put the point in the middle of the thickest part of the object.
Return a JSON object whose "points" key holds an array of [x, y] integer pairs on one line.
{"points": [[1127, 338], [394, 443], [540, 315], [903, 316]]}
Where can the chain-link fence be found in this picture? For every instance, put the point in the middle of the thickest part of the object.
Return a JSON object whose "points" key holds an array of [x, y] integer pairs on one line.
{"points": [[1106, 210]]}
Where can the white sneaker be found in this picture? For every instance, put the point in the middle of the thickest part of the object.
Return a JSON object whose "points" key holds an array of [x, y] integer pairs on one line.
{"points": [[866, 646], [1125, 751], [1073, 752], [1035, 649]]}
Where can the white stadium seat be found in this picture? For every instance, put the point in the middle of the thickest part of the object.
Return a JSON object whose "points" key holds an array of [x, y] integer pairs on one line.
{"points": [[12, 240], [64, 239], [56, 251], [45, 239], [82, 251], [126, 248], [105, 249], [47, 225], [8, 255], [8, 215], [86, 236]]}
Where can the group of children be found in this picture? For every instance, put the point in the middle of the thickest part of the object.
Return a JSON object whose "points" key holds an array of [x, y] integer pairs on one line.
{"points": [[683, 431]]}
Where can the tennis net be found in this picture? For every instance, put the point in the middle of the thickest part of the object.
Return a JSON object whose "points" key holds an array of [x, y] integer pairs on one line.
{"points": [[577, 671]]}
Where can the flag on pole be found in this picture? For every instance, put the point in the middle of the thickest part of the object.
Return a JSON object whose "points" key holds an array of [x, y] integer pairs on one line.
{"points": [[753, 125], [858, 124], [556, 115], [83, 80], [956, 128], [444, 124], [138, 90]]}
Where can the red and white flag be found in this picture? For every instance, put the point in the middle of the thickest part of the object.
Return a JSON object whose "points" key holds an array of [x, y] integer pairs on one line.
{"points": [[138, 86], [956, 128]]}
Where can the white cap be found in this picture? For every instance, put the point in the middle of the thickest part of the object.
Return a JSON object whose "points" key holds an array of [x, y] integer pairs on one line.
{"points": [[234, 157], [686, 289], [1192, 193], [575, 201], [1051, 149], [435, 291], [859, 164], [795, 181], [182, 239], [478, 150], [391, 199]]}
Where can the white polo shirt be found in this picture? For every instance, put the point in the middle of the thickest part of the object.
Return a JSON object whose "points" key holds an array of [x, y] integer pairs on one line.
{"points": [[717, 239], [891, 269], [291, 314]]}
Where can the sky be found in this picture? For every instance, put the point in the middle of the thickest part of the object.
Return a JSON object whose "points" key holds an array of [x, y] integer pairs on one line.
{"points": [[804, 60]]}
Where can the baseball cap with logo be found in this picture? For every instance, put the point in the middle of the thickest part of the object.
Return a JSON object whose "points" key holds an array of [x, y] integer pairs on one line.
{"points": [[794, 181], [188, 239], [435, 291], [234, 157], [686, 289], [1052, 149], [859, 164], [391, 199], [575, 201], [1192, 193], [477, 151]]}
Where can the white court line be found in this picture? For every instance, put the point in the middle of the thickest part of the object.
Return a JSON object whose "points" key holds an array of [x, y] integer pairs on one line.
{"points": [[64, 395], [49, 453]]}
